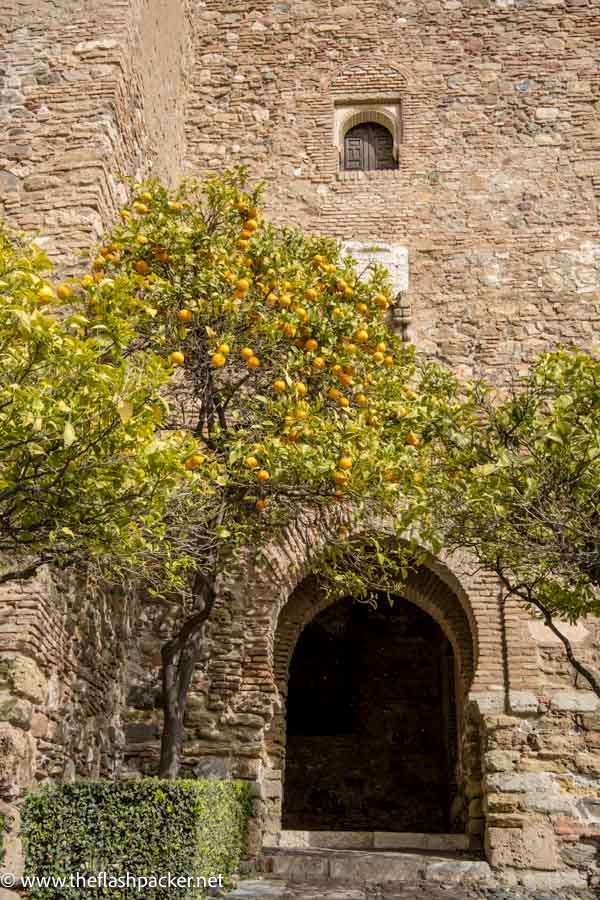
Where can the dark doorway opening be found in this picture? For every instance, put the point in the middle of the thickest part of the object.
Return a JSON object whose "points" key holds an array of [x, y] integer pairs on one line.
{"points": [[371, 722]]}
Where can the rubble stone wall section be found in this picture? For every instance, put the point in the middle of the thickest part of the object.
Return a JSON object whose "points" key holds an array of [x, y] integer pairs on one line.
{"points": [[87, 92], [62, 646]]}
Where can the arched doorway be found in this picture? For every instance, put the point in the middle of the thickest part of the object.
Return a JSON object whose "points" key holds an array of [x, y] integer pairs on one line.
{"points": [[371, 722]]}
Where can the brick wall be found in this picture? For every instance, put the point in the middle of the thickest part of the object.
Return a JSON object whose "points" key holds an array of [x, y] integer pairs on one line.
{"points": [[87, 91], [497, 195]]}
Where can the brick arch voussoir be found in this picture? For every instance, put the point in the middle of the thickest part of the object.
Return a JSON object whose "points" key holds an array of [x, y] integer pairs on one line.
{"points": [[284, 564], [379, 64]]}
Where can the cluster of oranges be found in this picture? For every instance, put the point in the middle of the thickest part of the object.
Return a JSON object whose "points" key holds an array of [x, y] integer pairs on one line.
{"points": [[250, 224]]}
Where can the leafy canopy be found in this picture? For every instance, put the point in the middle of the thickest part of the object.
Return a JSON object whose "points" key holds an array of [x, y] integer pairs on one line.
{"points": [[84, 469], [285, 372], [211, 379], [516, 479]]}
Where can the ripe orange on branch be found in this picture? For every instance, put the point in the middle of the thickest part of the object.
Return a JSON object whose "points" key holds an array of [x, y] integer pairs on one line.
{"points": [[194, 461]]}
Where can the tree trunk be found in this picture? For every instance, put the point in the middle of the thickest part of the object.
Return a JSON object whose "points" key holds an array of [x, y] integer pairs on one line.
{"points": [[179, 657], [172, 734]]}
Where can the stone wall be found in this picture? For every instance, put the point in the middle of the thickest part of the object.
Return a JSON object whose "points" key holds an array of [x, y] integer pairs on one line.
{"points": [[498, 189], [87, 92], [62, 646], [495, 202]]}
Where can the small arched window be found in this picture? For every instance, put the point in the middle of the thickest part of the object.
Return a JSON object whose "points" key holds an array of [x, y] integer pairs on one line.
{"points": [[369, 146]]}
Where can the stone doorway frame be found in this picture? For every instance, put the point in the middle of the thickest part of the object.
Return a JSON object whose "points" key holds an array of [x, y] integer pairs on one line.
{"points": [[426, 589]]}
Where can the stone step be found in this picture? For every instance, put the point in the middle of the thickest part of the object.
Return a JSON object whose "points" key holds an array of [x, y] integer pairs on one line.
{"points": [[377, 840], [374, 867], [273, 889]]}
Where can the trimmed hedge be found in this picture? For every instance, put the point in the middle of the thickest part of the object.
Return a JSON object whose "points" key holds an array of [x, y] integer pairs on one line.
{"points": [[4, 829], [147, 828]]}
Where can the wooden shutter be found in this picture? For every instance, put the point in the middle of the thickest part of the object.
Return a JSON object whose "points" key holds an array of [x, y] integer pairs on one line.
{"points": [[368, 146]]}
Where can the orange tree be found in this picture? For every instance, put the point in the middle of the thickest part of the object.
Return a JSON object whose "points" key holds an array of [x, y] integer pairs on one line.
{"points": [[86, 471], [297, 395]]}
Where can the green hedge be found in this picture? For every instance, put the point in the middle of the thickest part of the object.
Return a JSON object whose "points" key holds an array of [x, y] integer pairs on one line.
{"points": [[4, 829], [147, 828]]}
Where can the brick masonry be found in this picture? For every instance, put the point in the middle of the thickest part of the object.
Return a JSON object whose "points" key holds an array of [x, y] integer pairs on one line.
{"points": [[496, 201]]}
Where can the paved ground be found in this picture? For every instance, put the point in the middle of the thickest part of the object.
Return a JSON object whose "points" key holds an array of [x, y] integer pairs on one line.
{"points": [[280, 890]]}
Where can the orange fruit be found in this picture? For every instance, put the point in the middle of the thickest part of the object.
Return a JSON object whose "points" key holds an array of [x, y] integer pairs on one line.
{"points": [[362, 308], [343, 401], [45, 295], [389, 360], [242, 243], [319, 362], [64, 291], [246, 352], [289, 330], [381, 301], [261, 505], [340, 477], [279, 385], [251, 462], [263, 475], [346, 462], [141, 266], [337, 312], [254, 362], [362, 336], [380, 347], [285, 300], [300, 388], [412, 439], [140, 208], [378, 357], [333, 393], [311, 294], [194, 461], [218, 360], [311, 344], [176, 358], [250, 225], [362, 400], [223, 348], [185, 315], [242, 285]]}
